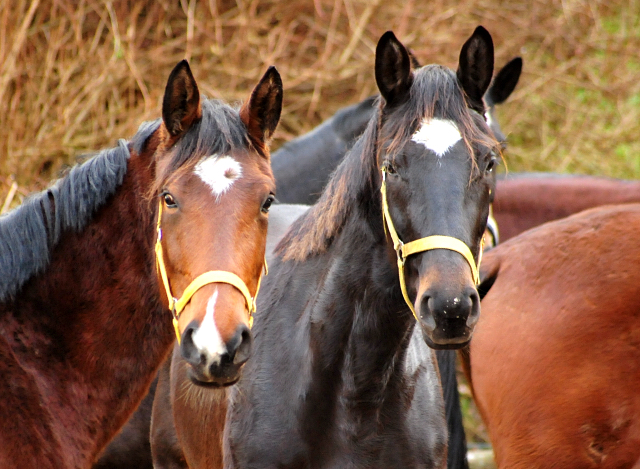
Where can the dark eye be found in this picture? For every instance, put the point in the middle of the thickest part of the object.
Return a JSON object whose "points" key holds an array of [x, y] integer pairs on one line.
{"points": [[389, 167], [169, 201], [493, 161], [266, 205]]}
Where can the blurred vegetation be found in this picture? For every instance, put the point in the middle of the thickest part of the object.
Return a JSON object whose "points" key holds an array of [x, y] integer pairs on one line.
{"points": [[75, 75]]}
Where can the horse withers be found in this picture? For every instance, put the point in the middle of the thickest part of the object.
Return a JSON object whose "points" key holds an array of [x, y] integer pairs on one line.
{"points": [[341, 372], [88, 267]]}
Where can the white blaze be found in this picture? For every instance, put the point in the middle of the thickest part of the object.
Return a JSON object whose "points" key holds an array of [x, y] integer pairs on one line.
{"points": [[218, 172], [438, 135], [207, 339]]}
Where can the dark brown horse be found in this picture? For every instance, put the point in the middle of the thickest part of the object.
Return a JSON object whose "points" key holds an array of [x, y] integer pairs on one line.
{"points": [[84, 322], [555, 359], [341, 374]]}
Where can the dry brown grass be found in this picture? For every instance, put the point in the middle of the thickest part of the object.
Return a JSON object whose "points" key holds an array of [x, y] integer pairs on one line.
{"points": [[75, 75]]}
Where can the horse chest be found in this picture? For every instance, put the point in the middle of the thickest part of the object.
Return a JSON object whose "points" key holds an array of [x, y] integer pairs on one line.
{"points": [[334, 422]]}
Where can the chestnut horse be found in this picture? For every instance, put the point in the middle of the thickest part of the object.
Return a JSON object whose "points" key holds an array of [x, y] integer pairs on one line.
{"points": [[526, 200], [341, 374], [555, 359], [84, 317]]}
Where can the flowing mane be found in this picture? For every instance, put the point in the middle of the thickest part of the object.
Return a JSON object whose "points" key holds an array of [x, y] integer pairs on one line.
{"points": [[435, 92], [29, 233]]}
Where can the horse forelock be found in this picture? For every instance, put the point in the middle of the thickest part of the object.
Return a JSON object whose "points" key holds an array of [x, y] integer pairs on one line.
{"points": [[219, 131], [29, 233], [436, 94]]}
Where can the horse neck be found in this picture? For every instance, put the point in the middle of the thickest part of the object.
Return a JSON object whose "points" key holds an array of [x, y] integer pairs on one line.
{"points": [[367, 335], [101, 331]]}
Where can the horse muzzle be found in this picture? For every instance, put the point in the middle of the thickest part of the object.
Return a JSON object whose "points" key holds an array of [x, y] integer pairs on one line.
{"points": [[447, 320], [217, 365]]}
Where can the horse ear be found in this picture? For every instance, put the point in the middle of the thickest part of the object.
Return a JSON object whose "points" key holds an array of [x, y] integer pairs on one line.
{"points": [[488, 273], [475, 67], [414, 60], [261, 113], [504, 82], [393, 69], [181, 102]]}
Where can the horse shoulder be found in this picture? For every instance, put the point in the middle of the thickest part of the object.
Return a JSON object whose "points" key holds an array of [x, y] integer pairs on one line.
{"points": [[28, 436]]}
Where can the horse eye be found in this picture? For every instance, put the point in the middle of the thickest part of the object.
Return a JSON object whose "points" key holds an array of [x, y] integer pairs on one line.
{"points": [[266, 205], [493, 161], [390, 168], [169, 200]]}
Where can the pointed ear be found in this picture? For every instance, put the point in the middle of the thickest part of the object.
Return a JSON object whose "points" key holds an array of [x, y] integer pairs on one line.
{"points": [[475, 67], [488, 272], [393, 69], [504, 82], [414, 60], [181, 102], [261, 113]]}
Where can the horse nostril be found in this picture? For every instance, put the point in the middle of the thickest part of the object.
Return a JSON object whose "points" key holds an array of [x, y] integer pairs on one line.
{"points": [[240, 346], [474, 312], [426, 312], [188, 349]]}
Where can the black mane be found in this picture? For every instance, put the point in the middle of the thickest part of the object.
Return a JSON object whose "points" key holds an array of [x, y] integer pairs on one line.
{"points": [[31, 231], [218, 131]]}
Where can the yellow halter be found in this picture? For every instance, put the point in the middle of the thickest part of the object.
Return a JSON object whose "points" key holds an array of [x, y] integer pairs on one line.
{"points": [[420, 245], [213, 276]]}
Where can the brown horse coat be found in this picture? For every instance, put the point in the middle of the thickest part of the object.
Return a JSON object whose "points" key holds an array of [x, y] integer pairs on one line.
{"points": [[555, 358], [526, 200]]}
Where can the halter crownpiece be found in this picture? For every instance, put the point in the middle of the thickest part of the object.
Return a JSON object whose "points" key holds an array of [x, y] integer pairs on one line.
{"points": [[213, 276], [420, 245]]}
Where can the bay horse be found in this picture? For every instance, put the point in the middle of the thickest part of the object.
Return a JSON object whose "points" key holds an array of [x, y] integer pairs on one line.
{"points": [[89, 266], [341, 373], [555, 359]]}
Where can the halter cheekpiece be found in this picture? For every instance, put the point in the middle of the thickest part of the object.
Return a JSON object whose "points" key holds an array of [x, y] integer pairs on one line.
{"points": [[420, 245], [213, 276]]}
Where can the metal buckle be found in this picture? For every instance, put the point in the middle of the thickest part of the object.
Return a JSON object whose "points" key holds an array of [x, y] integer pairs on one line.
{"points": [[173, 309]]}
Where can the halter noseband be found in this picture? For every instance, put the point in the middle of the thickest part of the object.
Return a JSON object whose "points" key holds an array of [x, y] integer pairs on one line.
{"points": [[420, 245], [213, 276]]}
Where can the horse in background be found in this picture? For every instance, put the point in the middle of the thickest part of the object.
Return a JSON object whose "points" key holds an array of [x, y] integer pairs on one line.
{"points": [[302, 167], [555, 359], [84, 320], [526, 200]]}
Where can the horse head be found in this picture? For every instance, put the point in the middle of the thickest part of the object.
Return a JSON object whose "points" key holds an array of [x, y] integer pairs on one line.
{"points": [[213, 188], [436, 157]]}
